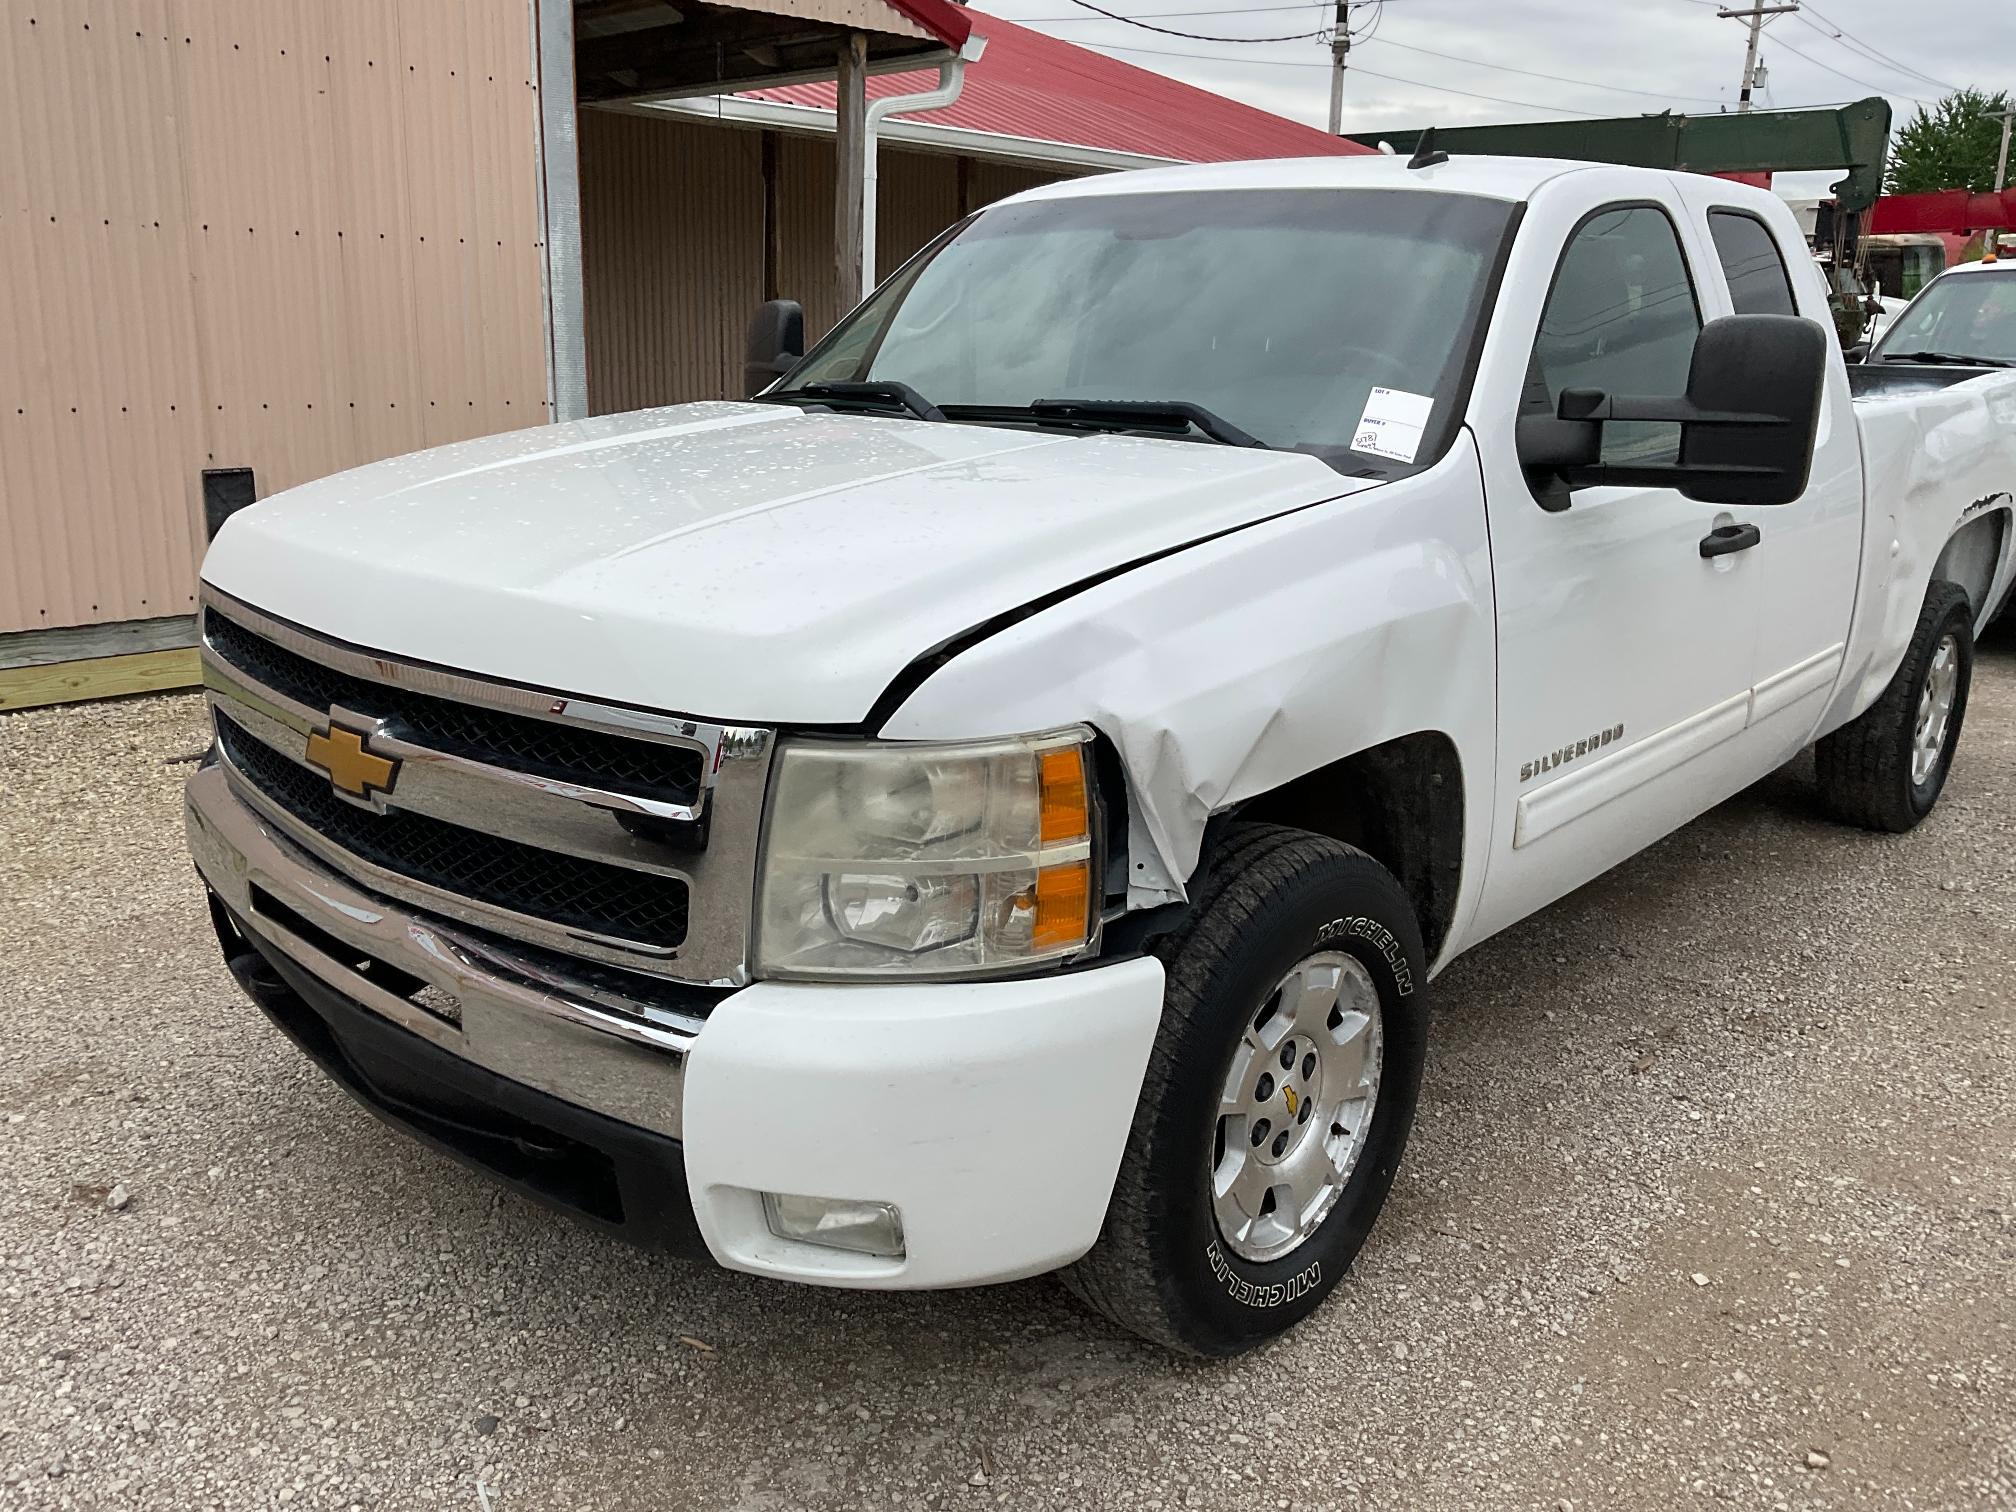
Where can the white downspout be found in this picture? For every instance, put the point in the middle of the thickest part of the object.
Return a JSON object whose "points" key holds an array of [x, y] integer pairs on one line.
{"points": [[951, 79]]}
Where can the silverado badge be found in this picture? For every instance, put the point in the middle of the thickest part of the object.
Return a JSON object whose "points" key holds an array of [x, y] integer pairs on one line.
{"points": [[352, 769]]}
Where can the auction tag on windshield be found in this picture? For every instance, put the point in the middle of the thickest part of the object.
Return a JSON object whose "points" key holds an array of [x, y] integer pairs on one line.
{"points": [[1392, 424]]}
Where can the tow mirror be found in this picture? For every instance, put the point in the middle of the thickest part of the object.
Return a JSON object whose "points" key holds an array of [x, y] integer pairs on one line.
{"points": [[1748, 421], [776, 341]]}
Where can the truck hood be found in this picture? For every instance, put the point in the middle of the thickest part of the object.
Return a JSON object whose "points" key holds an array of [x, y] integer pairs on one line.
{"points": [[737, 562]]}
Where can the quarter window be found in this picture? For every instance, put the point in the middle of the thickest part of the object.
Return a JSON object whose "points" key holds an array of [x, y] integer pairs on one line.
{"points": [[1621, 317], [1758, 282]]}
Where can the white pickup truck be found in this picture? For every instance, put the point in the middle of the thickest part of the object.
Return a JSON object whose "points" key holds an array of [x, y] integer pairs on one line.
{"points": [[995, 803]]}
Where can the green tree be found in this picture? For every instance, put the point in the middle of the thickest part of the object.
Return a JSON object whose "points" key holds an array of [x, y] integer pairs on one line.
{"points": [[1950, 145]]}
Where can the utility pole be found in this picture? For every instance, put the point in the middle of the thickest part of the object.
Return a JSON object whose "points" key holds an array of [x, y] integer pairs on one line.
{"points": [[1755, 16], [2002, 158], [1340, 49]]}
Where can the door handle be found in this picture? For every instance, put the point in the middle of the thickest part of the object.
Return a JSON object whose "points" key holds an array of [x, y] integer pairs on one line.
{"points": [[1724, 539]]}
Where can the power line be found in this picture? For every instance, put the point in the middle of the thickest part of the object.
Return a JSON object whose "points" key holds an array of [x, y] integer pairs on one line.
{"points": [[1167, 31], [1838, 33], [1447, 57], [1164, 52], [1883, 89], [1249, 10], [1361, 38], [1468, 94], [1555, 78]]}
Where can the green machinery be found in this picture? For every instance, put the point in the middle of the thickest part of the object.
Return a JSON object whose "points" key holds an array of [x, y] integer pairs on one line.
{"points": [[1854, 137]]}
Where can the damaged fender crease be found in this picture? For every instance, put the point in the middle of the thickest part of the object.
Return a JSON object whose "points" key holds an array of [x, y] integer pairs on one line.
{"points": [[1222, 672]]}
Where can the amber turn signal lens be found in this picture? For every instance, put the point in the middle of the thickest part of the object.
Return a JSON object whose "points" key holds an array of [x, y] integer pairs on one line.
{"points": [[1063, 905], [1064, 811]]}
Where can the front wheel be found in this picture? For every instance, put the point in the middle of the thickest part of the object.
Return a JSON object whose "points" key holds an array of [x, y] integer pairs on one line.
{"points": [[1885, 769], [1277, 1100]]}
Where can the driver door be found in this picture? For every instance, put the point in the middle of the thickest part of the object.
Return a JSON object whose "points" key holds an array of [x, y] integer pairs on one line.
{"points": [[1625, 656]]}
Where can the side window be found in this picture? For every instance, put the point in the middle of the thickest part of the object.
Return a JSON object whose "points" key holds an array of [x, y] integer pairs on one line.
{"points": [[1758, 282], [1922, 265], [1621, 317]]}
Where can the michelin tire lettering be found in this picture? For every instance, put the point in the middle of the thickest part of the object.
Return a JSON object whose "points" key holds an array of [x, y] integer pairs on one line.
{"points": [[1381, 939], [1246, 1294]]}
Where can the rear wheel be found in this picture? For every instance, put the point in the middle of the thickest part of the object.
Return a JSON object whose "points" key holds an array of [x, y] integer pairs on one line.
{"points": [[1277, 1100], [1885, 769]]}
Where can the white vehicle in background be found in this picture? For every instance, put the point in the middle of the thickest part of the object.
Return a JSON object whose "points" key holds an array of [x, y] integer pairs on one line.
{"points": [[996, 803], [1965, 320]]}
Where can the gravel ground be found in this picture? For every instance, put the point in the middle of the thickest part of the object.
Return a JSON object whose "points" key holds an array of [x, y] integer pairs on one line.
{"points": [[1712, 1202]]}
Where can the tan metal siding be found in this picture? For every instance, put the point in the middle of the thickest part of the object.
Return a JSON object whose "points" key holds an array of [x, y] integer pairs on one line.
{"points": [[993, 181], [805, 230], [672, 244], [918, 196], [276, 234], [672, 257]]}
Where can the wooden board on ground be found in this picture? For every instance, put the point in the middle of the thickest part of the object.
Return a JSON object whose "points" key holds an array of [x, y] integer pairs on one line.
{"points": [[101, 677]]}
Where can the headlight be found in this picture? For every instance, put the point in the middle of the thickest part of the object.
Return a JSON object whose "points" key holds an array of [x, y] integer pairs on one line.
{"points": [[885, 859]]}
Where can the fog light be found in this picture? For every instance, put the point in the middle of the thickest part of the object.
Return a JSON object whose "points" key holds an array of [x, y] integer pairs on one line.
{"points": [[867, 1228]]}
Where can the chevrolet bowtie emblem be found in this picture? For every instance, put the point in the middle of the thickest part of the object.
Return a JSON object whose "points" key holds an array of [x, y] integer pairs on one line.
{"points": [[352, 769]]}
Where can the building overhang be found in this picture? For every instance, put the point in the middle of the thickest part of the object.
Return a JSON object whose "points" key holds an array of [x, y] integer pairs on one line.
{"points": [[923, 136], [637, 50]]}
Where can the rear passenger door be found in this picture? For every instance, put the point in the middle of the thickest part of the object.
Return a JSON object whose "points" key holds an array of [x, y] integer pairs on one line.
{"points": [[1809, 559]]}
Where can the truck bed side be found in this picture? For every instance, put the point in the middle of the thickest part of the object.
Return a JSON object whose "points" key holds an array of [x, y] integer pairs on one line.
{"points": [[1937, 461]]}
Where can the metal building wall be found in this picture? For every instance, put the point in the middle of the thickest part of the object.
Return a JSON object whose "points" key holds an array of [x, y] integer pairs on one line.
{"points": [[919, 197], [672, 216], [671, 257], [993, 181], [805, 229], [278, 234]]}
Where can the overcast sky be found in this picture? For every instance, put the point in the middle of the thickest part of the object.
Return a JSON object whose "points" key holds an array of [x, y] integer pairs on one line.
{"points": [[1672, 53]]}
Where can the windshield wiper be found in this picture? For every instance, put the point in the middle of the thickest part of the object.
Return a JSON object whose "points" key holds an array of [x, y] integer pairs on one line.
{"points": [[1954, 358], [882, 393], [1174, 415]]}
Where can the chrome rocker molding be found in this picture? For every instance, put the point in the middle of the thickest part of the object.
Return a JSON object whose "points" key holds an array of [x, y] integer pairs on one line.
{"points": [[617, 1056], [576, 819]]}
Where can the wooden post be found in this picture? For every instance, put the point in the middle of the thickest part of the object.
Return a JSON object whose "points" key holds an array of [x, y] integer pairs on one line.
{"points": [[849, 140]]}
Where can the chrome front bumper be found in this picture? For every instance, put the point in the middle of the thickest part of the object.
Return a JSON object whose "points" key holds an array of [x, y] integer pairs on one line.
{"points": [[518, 1016]]}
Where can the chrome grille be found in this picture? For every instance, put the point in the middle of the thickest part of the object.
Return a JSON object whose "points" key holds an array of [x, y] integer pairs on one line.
{"points": [[597, 834], [603, 899], [645, 768]]}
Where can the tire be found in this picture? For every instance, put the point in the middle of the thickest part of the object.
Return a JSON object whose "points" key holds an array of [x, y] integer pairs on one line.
{"points": [[1866, 768], [1273, 901]]}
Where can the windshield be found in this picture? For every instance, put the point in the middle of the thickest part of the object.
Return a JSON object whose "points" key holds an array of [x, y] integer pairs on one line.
{"points": [[1278, 311], [1959, 315]]}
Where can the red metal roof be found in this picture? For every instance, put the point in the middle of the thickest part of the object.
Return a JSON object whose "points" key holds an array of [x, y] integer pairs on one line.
{"points": [[1030, 85], [949, 23]]}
